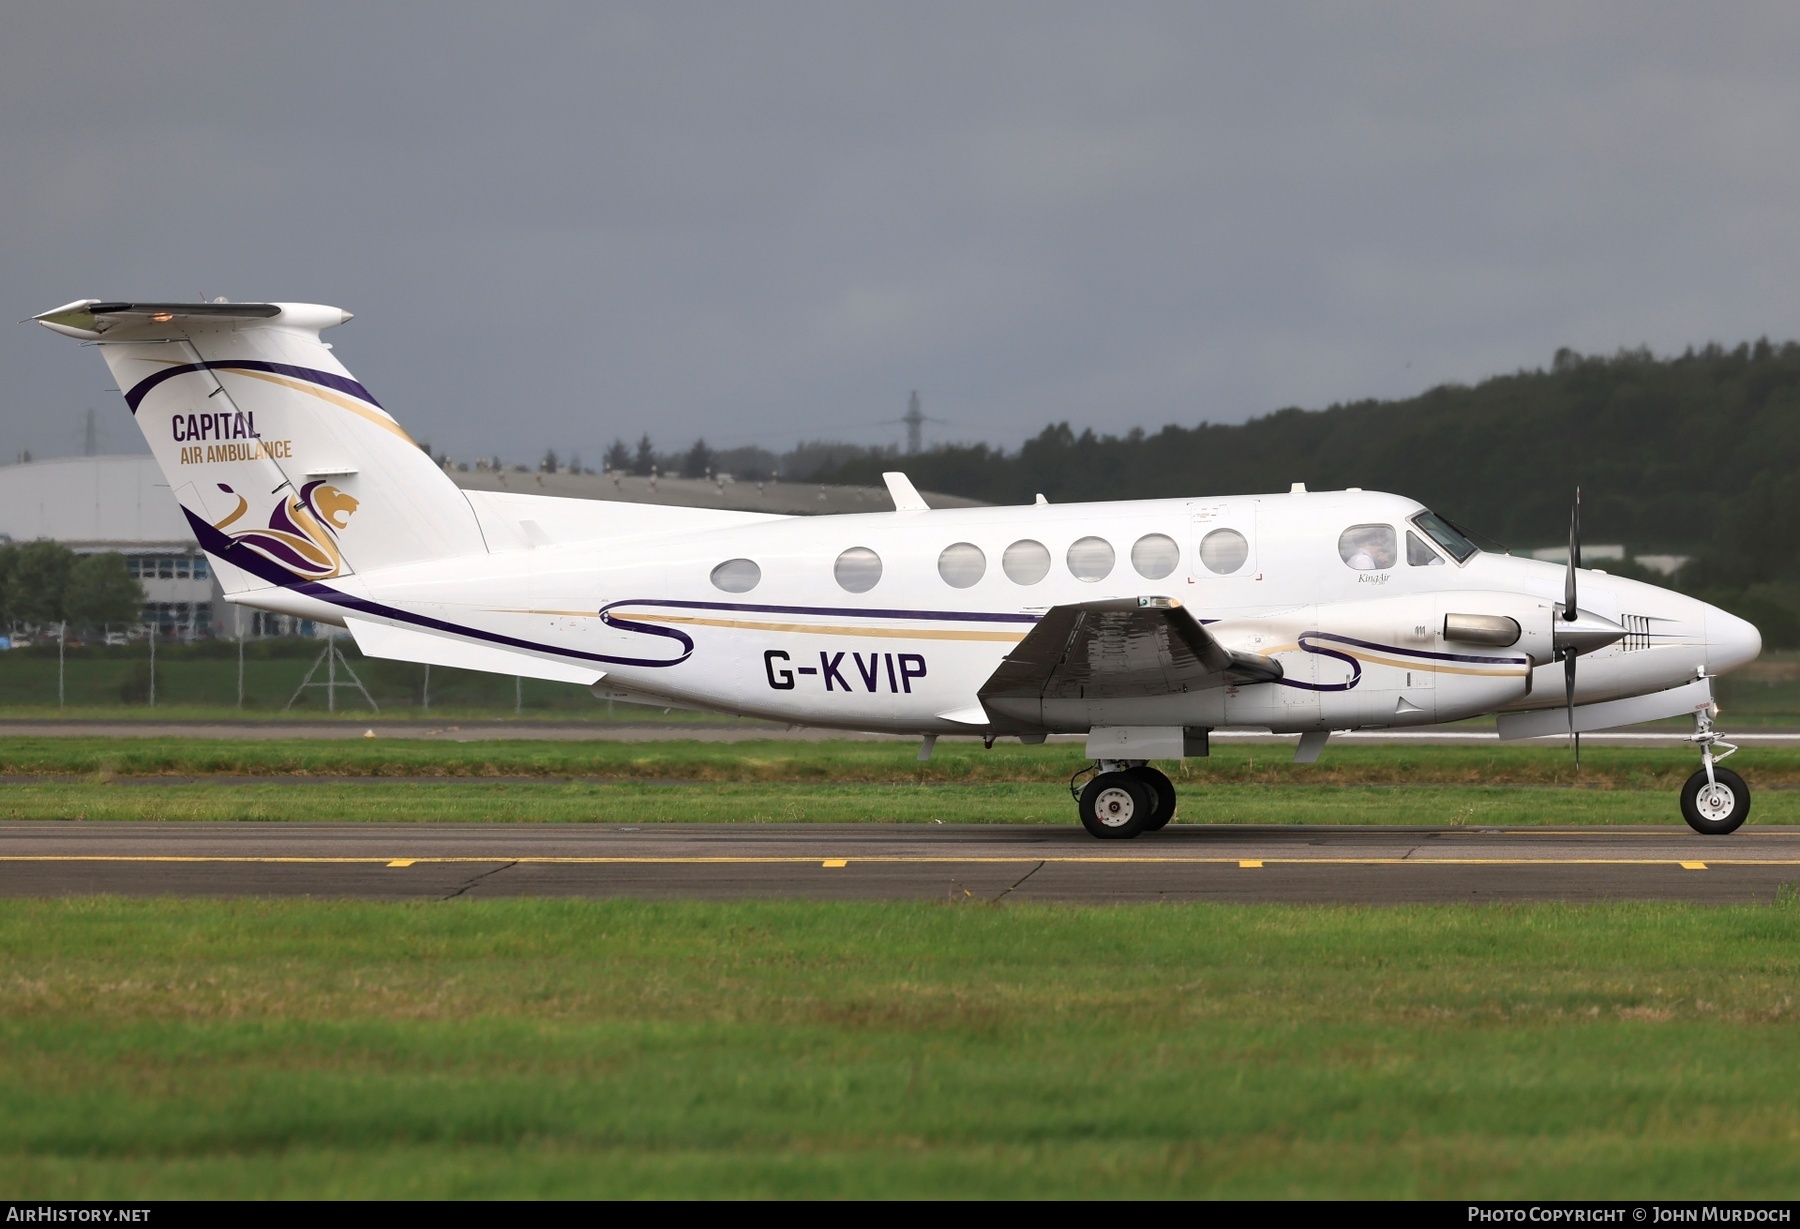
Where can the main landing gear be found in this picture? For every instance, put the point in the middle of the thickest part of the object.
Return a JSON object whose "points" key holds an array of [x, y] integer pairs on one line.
{"points": [[1123, 798], [1715, 800]]}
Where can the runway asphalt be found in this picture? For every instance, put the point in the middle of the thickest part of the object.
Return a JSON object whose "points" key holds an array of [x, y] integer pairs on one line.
{"points": [[893, 861]]}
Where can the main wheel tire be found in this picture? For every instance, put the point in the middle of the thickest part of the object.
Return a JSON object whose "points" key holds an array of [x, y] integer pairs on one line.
{"points": [[1164, 791], [1116, 806], [1717, 808]]}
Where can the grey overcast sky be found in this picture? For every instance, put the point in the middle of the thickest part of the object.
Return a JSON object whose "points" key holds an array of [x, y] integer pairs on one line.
{"points": [[761, 221]]}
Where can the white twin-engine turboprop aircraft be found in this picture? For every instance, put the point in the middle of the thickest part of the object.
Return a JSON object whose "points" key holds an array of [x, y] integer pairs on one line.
{"points": [[1143, 624]]}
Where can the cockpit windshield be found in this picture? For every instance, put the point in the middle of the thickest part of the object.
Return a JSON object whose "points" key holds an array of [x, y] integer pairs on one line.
{"points": [[1445, 535]]}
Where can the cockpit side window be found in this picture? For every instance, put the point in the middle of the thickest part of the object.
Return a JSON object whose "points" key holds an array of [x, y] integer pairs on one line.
{"points": [[1445, 535], [1368, 548], [1420, 555]]}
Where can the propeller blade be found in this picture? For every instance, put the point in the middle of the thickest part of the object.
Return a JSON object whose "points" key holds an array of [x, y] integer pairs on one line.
{"points": [[1569, 695], [1595, 632], [1574, 557]]}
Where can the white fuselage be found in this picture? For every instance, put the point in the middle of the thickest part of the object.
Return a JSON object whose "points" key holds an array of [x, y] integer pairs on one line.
{"points": [[312, 500], [1360, 646]]}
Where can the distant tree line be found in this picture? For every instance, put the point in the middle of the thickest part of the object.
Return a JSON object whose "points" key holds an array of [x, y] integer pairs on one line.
{"points": [[802, 463], [1695, 454], [44, 583]]}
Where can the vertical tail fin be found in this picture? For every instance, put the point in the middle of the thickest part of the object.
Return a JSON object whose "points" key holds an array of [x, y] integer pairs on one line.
{"points": [[288, 469]]}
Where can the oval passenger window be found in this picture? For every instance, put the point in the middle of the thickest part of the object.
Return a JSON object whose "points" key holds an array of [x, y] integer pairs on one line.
{"points": [[737, 575], [1026, 562], [858, 569], [962, 564], [1368, 548], [1224, 551], [1155, 555], [1091, 559]]}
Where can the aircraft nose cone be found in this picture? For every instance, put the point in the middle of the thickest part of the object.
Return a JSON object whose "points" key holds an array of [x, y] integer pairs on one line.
{"points": [[1730, 641]]}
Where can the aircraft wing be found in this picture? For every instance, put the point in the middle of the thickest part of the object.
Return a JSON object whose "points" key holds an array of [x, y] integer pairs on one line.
{"points": [[1121, 648]]}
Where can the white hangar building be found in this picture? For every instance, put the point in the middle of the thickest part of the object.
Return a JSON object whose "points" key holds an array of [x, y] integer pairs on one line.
{"points": [[119, 504]]}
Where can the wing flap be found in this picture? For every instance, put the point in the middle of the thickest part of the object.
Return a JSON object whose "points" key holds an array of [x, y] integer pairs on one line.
{"points": [[1121, 648]]}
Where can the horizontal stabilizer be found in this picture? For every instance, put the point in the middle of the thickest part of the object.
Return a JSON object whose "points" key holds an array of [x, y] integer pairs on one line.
{"points": [[91, 319], [282, 460], [1682, 701], [432, 649]]}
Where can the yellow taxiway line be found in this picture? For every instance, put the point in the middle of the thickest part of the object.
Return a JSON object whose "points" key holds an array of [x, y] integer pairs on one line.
{"points": [[882, 859]]}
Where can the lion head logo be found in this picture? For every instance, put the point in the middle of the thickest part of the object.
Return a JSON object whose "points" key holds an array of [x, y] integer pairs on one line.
{"points": [[328, 503], [302, 532]]}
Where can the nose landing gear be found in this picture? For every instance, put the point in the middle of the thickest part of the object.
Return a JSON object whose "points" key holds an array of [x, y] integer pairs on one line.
{"points": [[1715, 800], [1123, 798]]}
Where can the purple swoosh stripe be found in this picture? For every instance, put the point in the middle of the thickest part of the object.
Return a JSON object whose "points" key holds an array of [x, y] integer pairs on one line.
{"points": [[746, 607], [1390, 648], [220, 546], [279, 551], [279, 519], [324, 379], [1356, 671], [238, 555]]}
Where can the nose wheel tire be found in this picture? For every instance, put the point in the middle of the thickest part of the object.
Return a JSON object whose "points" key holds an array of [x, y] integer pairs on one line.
{"points": [[1717, 807], [1116, 806], [1162, 789]]}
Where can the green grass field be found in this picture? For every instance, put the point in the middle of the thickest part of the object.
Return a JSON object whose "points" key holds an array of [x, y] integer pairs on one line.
{"points": [[587, 1048], [561, 1048], [849, 761], [396, 780], [757, 803]]}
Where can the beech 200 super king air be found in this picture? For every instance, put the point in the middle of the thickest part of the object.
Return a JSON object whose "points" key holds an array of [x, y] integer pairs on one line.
{"points": [[1142, 624]]}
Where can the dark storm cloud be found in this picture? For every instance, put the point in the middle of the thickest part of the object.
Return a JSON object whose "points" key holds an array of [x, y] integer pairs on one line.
{"points": [[761, 221]]}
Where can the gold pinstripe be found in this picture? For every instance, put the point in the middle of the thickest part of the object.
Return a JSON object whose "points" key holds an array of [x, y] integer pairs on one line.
{"points": [[1498, 670], [361, 411], [827, 629]]}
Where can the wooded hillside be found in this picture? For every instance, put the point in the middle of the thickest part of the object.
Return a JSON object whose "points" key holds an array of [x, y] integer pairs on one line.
{"points": [[1697, 454]]}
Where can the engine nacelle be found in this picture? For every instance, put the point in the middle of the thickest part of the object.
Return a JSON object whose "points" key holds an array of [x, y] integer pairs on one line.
{"points": [[1475, 619], [1387, 661]]}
